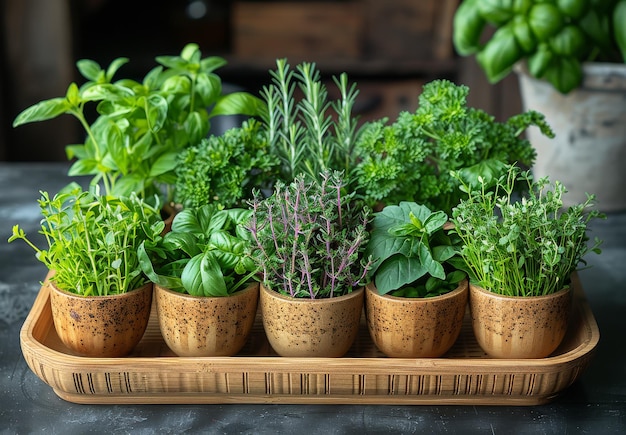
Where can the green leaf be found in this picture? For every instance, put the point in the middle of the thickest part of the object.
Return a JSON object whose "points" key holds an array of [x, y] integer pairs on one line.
{"points": [[523, 34], [433, 267], [195, 127], [573, 8], [157, 109], [238, 103], [83, 167], [42, 111], [565, 74], [90, 69], [398, 273], [203, 276], [114, 67], [106, 91], [211, 63], [499, 54], [164, 163], [468, 28], [545, 20], [209, 87], [488, 170], [540, 60], [496, 11], [569, 41], [597, 27], [619, 28]]}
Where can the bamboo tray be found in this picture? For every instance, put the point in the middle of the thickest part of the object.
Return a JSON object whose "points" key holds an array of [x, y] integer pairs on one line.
{"points": [[153, 374]]}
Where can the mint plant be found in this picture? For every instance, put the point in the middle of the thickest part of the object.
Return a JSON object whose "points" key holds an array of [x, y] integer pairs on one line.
{"points": [[411, 159], [204, 254], [412, 251], [141, 126], [526, 246], [308, 238], [312, 134], [223, 170], [93, 239]]}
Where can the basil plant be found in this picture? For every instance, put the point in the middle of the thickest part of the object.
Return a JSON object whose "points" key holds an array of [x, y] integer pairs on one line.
{"points": [[554, 37]]}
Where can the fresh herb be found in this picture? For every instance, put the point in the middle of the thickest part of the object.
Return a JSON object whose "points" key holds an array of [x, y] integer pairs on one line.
{"points": [[309, 239], [205, 253], [413, 252], [526, 246], [554, 38], [411, 159], [224, 169], [140, 128], [93, 239], [302, 132]]}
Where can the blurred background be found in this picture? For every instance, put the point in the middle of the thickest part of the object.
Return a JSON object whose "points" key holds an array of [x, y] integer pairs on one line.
{"points": [[389, 48]]}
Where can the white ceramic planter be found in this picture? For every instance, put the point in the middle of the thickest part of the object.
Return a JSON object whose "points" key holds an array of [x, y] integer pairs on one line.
{"points": [[589, 149]]}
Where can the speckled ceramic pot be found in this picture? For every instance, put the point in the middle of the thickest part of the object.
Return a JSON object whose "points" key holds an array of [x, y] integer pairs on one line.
{"points": [[101, 326], [206, 326], [415, 327], [519, 327], [301, 327]]}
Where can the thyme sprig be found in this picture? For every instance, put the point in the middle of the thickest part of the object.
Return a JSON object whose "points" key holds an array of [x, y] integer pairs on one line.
{"points": [[526, 246], [308, 239]]}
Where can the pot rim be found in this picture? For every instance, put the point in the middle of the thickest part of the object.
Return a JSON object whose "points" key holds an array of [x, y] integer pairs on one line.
{"points": [[127, 294], [251, 287], [353, 294], [483, 290], [463, 287]]}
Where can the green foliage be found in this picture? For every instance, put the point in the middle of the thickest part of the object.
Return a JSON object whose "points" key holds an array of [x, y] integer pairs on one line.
{"points": [[141, 126], [309, 239], [224, 169], [522, 247], [411, 159], [554, 37], [205, 253], [302, 132], [93, 240], [412, 252]]}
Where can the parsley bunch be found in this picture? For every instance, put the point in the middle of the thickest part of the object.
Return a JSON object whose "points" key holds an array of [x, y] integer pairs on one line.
{"points": [[224, 169], [411, 159]]}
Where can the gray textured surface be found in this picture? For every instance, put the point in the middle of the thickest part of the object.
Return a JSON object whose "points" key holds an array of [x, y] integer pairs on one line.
{"points": [[596, 404]]}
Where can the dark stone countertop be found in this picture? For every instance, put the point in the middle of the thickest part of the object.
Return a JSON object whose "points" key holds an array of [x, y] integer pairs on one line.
{"points": [[595, 404]]}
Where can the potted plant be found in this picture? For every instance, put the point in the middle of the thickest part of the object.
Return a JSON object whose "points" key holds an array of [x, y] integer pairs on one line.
{"points": [[520, 255], [570, 59], [140, 127], [416, 298], [411, 159], [223, 170], [99, 296], [206, 298], [308, 242]]}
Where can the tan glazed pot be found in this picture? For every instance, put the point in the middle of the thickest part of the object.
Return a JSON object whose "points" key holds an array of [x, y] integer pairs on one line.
{"points": [[101, 326], [519, 327], [415, 327], [206, 326], [301, 327]]}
